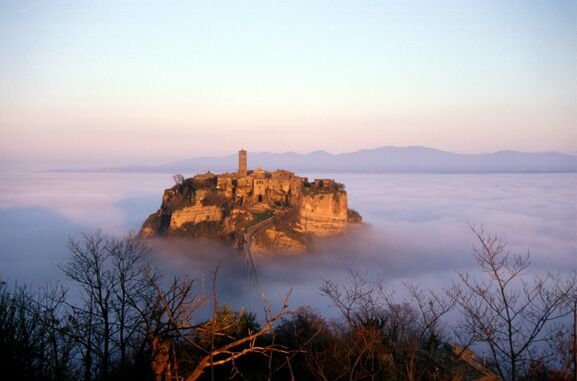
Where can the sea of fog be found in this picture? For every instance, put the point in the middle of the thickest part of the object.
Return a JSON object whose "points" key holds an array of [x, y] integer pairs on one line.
{"points": [[416, 228]]}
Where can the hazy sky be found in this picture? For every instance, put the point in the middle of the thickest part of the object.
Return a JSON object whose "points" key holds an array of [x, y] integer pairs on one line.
{"points": [[119, 82]]}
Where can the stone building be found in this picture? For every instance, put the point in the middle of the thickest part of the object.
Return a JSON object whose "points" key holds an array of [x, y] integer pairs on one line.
{"points": [[248, 187], [242, 163]]}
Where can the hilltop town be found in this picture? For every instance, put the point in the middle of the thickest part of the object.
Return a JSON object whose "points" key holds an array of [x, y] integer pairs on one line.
{"points": [[266, 212]]}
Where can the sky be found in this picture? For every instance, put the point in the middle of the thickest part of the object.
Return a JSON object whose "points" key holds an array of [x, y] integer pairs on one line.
{"points": [[144, 82]]}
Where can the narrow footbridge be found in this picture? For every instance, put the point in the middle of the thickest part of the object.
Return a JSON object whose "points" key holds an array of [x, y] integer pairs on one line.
{"points": [[247, 243]]}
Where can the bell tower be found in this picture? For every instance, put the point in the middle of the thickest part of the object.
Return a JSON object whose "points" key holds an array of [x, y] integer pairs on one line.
{"points": [[242, 163]]}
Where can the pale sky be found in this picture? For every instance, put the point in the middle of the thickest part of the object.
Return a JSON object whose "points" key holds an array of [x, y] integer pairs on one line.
{"points": [[129, 82]]}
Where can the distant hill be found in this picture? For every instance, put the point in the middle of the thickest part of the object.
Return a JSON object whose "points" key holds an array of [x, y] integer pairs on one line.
{"points": [[383, 159]]}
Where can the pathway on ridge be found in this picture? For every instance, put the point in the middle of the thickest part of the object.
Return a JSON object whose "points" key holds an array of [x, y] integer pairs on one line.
{"points": [[250, 233]]}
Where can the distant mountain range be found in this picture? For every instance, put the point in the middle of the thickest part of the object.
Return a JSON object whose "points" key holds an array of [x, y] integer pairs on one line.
{"points": [[383, 159]]}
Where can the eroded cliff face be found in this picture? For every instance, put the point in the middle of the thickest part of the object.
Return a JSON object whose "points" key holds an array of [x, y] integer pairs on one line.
{"points": [[323, 214], [195, 215], [317, 215], [275, 241], [190, 210], [225, 207]]}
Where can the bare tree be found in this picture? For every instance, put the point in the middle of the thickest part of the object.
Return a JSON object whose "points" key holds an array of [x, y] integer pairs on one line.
{"points": [[175, 307], [230, 352], [167, 316], [57, 345], [127, 256], [507, 309], [127, 307], [89, 268], [389, 337], [107, 322], [178, 180], [21, 340], [417, 325], [560, 351], [312, 344], [364, 318]]}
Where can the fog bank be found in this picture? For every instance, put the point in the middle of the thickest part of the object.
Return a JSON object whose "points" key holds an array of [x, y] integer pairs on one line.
{"points": [[416, 228]]}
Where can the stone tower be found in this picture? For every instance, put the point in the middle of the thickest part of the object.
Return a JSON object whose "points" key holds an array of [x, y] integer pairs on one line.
{"points": [[242, 166]]}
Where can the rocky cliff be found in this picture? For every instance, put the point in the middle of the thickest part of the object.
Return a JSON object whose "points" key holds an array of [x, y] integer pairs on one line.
{"points": [[230, 207], [323, 214]]}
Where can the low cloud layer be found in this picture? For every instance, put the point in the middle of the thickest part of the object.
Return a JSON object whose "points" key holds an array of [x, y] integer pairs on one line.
{"points": [[416, 228]]}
